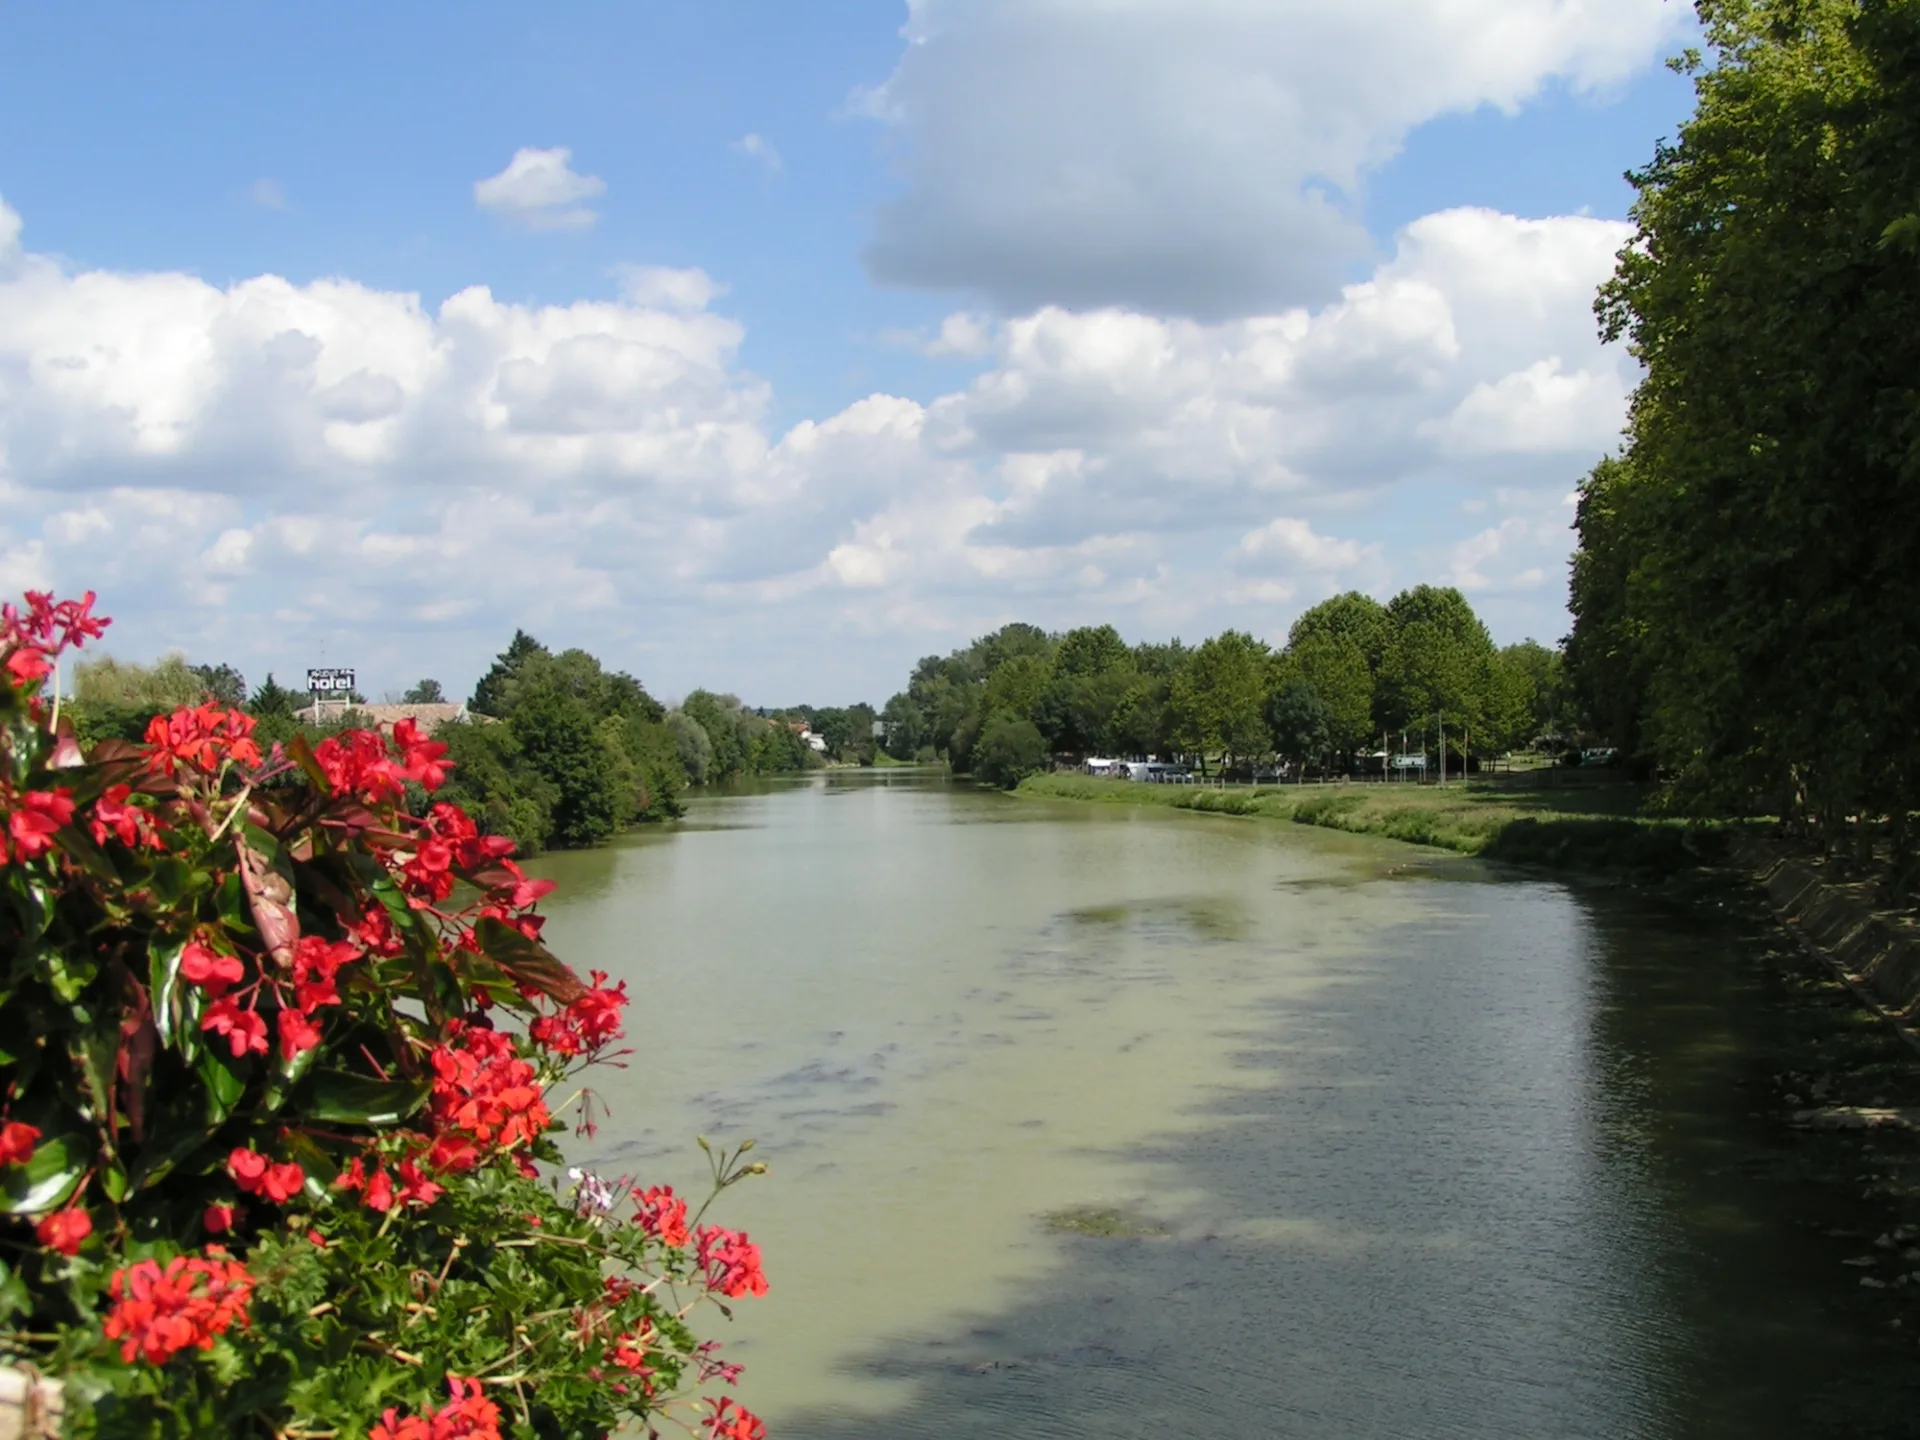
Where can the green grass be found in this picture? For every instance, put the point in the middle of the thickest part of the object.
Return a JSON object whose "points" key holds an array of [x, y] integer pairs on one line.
{"points": [[1544, 818]]}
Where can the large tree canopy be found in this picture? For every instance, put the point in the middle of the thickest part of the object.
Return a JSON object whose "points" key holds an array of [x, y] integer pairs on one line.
{"points": [[1746, 601]]}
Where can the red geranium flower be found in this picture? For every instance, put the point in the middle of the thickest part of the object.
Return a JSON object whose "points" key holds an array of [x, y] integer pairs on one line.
{"points": [[64, 1230], [17, 1139], [246, 1032], [207, 968], [41, 815]]}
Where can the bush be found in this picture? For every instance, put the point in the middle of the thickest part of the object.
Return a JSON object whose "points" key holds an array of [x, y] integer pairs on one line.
{"points": [[270, 1165], [1008, 751]]}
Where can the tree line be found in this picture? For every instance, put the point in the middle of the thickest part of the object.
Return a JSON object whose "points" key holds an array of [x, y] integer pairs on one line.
{"points": [[555, 749], [1745, 594], [1354, 672]]}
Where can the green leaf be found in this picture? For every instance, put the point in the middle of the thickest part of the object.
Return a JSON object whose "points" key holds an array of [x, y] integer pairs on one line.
{"points": [[224, 1085], [170, 880], [288, 1073], [163, 984], [49, 1177], [301, 749], [527, 961], [344, 1098]]}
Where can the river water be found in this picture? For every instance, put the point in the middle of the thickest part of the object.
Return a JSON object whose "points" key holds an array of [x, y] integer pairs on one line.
{"points": [[1093, 1121]]}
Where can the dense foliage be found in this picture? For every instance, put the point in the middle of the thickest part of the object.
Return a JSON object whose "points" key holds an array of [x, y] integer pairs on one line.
{"points": [[276, 1066], [1745, 595], [1352, 674]]}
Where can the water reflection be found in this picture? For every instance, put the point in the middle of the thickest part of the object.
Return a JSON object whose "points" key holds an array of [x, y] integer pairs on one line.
{"points": [[1088, 1121]]}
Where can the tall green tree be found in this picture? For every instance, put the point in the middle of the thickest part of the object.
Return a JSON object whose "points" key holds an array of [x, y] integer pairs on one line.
{"points": [[490, 694], [1219, 697], [1749, 599]]}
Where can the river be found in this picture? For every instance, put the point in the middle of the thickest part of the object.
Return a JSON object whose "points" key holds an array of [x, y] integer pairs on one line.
{"points": [[1091, 1121]]}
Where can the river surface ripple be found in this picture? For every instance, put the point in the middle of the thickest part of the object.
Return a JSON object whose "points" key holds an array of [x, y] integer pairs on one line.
{"points": [[1371, 1143]]}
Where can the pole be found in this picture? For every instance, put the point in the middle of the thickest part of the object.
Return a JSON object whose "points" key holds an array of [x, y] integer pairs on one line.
{"points": [[1443, 747]]}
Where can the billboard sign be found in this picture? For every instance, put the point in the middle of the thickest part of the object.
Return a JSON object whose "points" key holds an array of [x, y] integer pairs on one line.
{"points": [[330, 682]]}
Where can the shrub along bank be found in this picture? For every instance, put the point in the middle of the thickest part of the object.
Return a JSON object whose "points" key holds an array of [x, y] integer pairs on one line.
{"points": [[1532, 820]]}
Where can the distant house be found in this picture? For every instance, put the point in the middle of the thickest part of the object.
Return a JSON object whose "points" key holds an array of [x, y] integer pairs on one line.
{"points": [[384, 717]]}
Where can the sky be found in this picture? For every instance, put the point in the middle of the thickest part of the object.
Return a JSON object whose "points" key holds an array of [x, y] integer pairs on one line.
{"points": [[769, 347]]}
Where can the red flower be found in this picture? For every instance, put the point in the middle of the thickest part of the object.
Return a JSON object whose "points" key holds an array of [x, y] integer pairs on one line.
{"points": [[468, 1416], [257, 1175], [207, 968], [158, 1312], [316, 963], [379, 1192], [731, 1261], [218, 1218], [662, 1214], [201, 739], [246, 1032], [485, 1098], [63, 1230], [248, 1168], [282, 1182], [355, 763], [112, 815], [421, 760], [17, 1139], [38, 820], [733, 1421], [415, 1187], [298, 1034]]}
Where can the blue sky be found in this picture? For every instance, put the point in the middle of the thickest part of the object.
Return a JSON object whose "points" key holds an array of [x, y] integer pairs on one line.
{"points": [[1118, 204]]}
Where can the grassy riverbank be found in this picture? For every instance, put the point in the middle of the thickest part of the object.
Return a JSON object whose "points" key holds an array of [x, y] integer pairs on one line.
{"points": [[1549, 818]]}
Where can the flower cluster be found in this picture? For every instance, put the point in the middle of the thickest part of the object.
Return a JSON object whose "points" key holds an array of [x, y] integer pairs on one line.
{"points": [[268, 1020], [159, 1311], [733, 1421], [486, 1099], [586, 1026], [731, 1262], [30, 640], [469, 1415], [204, 740]]}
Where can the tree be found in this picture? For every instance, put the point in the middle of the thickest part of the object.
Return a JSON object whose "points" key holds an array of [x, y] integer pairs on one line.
{"points": [[490, 695], [273, 699], [223, 683], [1746, 603], [1218, 700], [691, 746], [1092, 650], [556, 735], [1297, 722], [1333, 664], [1350, 617], [426, 692], [165, 685], [1009, 750], [1438, 661]]}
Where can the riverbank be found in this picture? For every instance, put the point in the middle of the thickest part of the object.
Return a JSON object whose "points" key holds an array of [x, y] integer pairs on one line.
{"points": [[1553, 819]]}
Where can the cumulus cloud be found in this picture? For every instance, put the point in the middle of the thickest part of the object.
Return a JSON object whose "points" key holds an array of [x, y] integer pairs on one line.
{"points": [[1200, 157], [540, 191], [412, 482]]}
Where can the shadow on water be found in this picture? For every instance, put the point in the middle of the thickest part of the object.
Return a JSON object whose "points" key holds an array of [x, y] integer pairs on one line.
{"points": [[1466, 1192]]}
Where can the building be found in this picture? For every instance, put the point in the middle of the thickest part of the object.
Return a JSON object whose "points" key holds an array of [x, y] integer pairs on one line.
{"points": [[384, 717]]}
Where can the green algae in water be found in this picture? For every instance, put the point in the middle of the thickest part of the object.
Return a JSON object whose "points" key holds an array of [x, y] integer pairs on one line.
{"points": [[1102, 1223]]}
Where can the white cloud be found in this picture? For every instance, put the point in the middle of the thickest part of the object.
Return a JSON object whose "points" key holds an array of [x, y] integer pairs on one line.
{"points": [[758, 148], [540, 191], [411, 483], [269, 195], [1200, 157], [1295, 544]]}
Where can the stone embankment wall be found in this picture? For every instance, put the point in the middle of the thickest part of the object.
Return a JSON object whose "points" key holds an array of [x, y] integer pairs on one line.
{"points": [[1875, 947]]}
